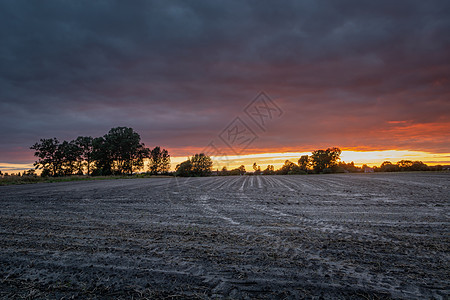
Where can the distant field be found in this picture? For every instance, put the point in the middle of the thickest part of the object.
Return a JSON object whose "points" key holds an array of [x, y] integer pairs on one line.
{"points": [[11, 180], [337, 236]]}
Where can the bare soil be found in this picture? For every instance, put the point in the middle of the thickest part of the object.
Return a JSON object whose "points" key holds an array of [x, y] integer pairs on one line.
{"points": [[353, 236]]}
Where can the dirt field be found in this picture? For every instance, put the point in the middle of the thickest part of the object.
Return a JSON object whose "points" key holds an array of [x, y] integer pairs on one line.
{"points": [[332, 236]]}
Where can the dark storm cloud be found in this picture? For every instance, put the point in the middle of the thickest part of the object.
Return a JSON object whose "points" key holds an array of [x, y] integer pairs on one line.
{"points": [[179, 71]]}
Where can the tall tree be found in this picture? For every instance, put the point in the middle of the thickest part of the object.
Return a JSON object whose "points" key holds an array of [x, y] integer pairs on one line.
{"points": [[49, 156], [256, 169], [165, 163], [119, 151], [184, 169], [159, 161], [136, 162], [85, 144], [102, 157], [325, 159], [303, 162], [70, 155], [288, 168], [126, 149], [201, 165], [405, 165]]}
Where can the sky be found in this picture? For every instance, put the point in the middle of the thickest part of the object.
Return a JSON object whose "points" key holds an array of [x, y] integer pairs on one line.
{"points": [[239, 77]]}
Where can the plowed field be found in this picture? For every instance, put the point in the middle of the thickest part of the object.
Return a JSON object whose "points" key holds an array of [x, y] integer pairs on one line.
{"points": [[336, 236]]}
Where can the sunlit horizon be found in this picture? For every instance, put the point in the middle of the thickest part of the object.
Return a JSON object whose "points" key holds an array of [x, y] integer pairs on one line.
{"points": [[370, 158], [277, 159]]}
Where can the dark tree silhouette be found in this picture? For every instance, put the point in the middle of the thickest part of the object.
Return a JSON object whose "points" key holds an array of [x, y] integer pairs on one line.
{"points": [[127, 151], [348, 168], [184, 169], [325, 160], [49, 156], [303, 162], [270, 170], [224, 171], [408, 165], [197, 165], [201, 165], [120, 151], [159, 161], [290, 168], [405, 165], [70, 155], [419, 166], [102, 157], [242, 170], [387, 166], [256, 169], [85, 143]]}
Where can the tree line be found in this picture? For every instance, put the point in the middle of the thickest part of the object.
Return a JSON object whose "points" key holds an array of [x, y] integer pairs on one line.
{"points": [[121, 152], [118, 152], [328, 161], [319, 162]]}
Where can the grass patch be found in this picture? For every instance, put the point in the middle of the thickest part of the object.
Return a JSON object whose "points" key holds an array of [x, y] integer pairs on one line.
{"points": [[13, 180]]}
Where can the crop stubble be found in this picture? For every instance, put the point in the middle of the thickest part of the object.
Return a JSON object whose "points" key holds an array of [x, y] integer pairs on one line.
{"points": [[340, 235]]}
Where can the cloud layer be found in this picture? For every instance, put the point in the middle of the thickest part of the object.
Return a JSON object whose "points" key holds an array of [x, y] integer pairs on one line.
{"points": [[360, 76]]}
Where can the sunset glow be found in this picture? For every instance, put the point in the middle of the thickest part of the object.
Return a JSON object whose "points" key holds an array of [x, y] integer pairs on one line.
{"points": [[372, 80], [238, 149], [371, 158]]}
